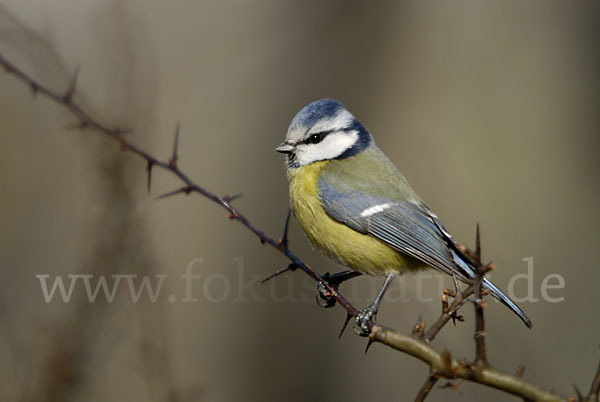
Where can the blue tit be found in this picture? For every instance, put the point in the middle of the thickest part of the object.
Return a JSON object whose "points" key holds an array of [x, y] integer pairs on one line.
{"points": [[358, 210]]}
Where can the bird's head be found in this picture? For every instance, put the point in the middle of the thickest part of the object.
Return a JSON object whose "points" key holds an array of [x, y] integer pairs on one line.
{"points": [[323, 130]]}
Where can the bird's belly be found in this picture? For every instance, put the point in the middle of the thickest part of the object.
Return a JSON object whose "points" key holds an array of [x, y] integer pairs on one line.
{"points": [[337, 241]]}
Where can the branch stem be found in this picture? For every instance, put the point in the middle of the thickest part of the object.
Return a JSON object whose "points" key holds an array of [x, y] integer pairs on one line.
{"points": [[427, 386], [442, 365], [460, 369]]}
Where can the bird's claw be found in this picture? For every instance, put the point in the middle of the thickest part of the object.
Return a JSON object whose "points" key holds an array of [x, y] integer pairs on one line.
{"points": [[361, 322], [324, 297]]}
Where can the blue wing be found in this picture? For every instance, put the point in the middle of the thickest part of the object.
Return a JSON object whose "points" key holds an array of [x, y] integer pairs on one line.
{"points": [[407, 226]]}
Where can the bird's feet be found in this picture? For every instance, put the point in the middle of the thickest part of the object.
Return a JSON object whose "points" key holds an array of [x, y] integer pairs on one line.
{"points": [[325, 298], [363, 319]]}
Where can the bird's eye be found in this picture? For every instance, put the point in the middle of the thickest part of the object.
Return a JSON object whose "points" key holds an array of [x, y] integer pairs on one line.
{"points": [[316, 138]]}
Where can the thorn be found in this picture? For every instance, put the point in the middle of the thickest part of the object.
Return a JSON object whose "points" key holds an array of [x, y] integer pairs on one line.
{"points": [[290, 267], [149, 167], [454, 311], [455, 317], [477, 245], [369, 343], [68, 96], [520, 371], [578, 392], [174, 157], [230, 198], [284, 238], [34, 88], [346, 321], [185, 190]]}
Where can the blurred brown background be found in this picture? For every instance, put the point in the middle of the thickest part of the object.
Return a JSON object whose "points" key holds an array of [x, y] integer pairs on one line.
{"points": [[489, 108]]}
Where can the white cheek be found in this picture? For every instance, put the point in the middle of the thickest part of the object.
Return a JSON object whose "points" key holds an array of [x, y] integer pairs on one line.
{"points": [[331, 147], [303, 155]]}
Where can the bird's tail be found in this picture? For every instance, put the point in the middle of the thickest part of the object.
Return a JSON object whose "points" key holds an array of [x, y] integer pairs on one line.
{"points": [[498, 294], [467, 265]]}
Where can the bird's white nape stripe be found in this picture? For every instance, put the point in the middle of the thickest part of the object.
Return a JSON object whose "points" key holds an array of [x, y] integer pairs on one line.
{"points": [[375, 209]]}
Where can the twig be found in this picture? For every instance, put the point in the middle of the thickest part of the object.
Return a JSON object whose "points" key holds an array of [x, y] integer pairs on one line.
{"points": [[460, 369], [413, 345], [480, 354], [427, 386], [116, 134], [594, 394], [460, 299], [87, 121]]}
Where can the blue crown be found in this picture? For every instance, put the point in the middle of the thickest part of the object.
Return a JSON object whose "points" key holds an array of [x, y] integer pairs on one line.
{"points": [[313, 112]]}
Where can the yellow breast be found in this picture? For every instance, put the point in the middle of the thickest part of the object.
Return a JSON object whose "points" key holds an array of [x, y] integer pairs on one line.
{"points": [[355, 250]]}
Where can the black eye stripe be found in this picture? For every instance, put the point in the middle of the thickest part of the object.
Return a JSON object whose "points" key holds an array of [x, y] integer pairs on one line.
{"points": [[311, 138]]}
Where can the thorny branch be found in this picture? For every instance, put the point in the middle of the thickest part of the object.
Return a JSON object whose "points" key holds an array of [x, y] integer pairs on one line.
{"points": [[448, 311], [480, 355], [442, 365]]}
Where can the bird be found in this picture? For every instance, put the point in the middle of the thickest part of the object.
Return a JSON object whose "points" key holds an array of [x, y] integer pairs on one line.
{"points": [[356, 208]]}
